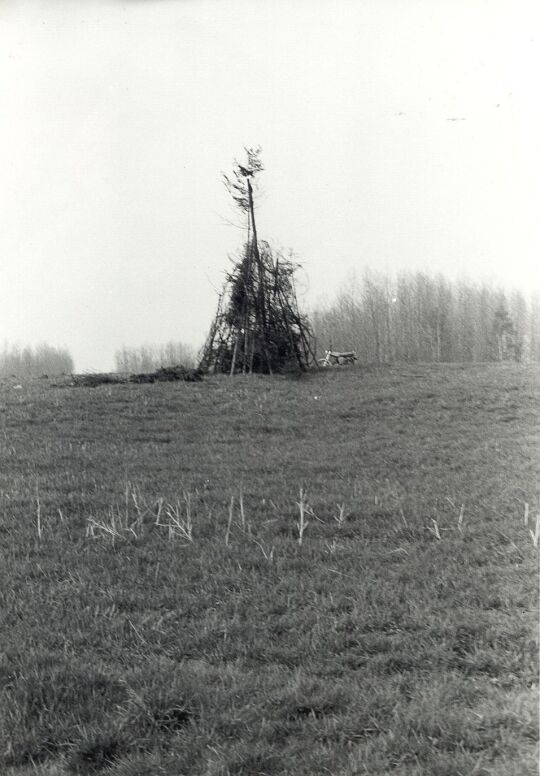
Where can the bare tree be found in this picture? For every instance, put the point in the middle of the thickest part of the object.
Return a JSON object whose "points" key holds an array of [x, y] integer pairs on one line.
{"points": [[35, 361], [417, 317], [146, 358]]}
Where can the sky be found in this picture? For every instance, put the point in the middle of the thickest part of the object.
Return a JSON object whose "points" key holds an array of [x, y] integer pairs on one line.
{"points": [[396, 135]]}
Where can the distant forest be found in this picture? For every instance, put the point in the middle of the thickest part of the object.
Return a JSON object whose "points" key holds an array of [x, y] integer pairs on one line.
{"points": [[418, 318], [147, 358], [34, 362], [413, 317]]}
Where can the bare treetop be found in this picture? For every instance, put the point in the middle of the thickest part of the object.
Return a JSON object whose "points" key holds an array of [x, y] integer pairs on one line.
{"points": [[239, 183]]}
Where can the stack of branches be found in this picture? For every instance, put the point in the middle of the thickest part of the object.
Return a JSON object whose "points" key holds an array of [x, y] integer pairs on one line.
{"points": [[93, 379], [168, 374], [258, 326], [162, 375]]}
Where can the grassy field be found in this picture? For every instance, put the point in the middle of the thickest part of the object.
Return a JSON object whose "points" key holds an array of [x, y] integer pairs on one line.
{"points": [[328, 575]]}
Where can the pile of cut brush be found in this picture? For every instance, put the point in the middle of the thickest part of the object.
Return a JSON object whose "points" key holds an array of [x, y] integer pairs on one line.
{"points": [[165, 374], [168, 374], [92, 379]]}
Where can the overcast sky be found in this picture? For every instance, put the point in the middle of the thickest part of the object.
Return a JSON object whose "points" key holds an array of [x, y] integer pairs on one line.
{"points": [[396, 134]]}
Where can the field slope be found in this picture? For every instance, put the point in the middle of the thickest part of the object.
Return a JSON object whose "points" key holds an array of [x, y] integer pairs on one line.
{"points": [[328, 575]]}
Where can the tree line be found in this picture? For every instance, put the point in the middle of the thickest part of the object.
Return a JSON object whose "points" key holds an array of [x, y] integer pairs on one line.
{"points": [[44, 359], [414, 317], [147, 358], [35, 361]]}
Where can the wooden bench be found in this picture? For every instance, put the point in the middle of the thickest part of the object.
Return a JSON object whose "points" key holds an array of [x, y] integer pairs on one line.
{"points": [[338, 358]]}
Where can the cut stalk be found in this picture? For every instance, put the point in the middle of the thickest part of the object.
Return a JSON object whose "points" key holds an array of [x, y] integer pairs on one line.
{"points": [[302, 523], [535, 535], [38, 515], [229, 522]]}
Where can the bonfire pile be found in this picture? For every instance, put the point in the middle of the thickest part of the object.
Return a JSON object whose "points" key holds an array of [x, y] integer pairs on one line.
{"points": [[258, 326]]}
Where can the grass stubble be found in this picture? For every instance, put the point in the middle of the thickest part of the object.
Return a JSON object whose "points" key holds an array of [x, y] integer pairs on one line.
{"points": [[332, 575]]}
